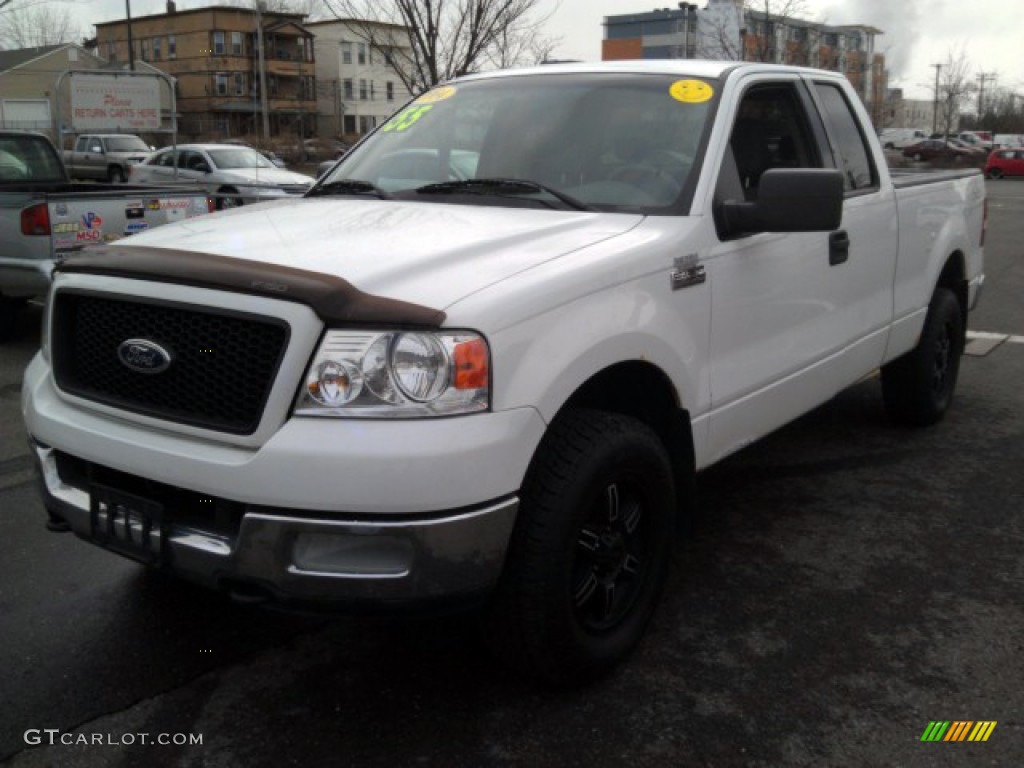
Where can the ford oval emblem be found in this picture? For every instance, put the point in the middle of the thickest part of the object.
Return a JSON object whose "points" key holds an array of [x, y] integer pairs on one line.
{"points": [[143, 356]]}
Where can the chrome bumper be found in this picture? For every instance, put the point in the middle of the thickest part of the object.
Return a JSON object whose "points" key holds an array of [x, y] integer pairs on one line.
{"points": [[307, 556]]}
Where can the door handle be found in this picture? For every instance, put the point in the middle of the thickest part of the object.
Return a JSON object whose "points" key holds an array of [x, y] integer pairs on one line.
{"points": [[838, 247]]}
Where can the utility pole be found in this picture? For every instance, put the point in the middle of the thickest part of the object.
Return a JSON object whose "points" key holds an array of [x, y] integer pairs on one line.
{"points": [[983, 77], [263, 70], [131, 45], [935, 102]]}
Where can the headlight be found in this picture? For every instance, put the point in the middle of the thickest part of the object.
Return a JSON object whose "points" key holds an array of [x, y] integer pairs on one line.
{"points": [[397, 375]]}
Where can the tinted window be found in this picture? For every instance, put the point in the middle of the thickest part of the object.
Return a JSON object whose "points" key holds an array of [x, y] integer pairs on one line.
{"points": [[851, 151]]}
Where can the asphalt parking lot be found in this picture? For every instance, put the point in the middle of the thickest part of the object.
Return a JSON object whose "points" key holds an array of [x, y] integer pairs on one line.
{"points": [[846, 584]]}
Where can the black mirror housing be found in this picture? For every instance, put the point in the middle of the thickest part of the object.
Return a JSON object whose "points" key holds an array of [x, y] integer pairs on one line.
{"points": [[789, 200]]}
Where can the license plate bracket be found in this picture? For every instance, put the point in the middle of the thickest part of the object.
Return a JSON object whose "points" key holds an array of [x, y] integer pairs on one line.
{"points": [[129, 524]]}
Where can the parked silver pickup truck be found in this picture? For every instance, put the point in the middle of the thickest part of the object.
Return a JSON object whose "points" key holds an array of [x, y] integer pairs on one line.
{"points": [[105, 156], [44, 217]]}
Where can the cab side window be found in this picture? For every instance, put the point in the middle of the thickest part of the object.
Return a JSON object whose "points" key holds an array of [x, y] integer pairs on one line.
{"points": [[771, 131], [848, 144]]}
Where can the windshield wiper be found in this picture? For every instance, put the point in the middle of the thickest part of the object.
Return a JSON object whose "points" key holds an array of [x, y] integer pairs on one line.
{"points": [[514, 187], [349, 187]]}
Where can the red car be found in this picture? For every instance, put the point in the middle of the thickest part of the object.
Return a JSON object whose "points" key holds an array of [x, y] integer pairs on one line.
{"points": [[1005, 162], [935, 149]]}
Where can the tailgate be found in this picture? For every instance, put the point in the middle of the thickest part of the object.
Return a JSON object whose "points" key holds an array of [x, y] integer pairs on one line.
{"points": [[77, 222]]}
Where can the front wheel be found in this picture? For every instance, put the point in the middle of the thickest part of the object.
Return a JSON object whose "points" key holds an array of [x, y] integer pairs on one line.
{"points": [[918, 387], [995, 173], [226, 199], [590, 550]]}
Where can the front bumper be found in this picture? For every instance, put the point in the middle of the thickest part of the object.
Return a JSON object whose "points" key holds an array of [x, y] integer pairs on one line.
{"points": [[301, 557]]}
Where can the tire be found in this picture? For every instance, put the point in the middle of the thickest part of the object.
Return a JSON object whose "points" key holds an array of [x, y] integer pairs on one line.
{"points": [[10, 314], [226, 201], [890, 145], [918, 387], [590, 549], [917, 157], [115, 174], [995, 173]]}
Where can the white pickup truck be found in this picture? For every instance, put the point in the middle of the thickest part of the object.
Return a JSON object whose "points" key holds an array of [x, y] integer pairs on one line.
{"points": [[484, 359]]}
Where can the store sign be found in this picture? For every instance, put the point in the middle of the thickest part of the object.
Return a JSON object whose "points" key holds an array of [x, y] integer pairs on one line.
{"points": [[115, 103]]}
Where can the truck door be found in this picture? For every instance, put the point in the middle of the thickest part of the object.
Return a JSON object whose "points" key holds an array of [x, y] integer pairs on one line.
{"points": [[864, 295], [782, 303]]}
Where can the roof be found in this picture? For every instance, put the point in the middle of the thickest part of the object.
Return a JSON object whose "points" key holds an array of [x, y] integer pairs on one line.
{"points": [[680, 67], [20, 56], [267, 15]]}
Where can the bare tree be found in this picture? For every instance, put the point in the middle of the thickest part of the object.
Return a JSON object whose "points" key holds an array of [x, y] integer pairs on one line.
{"points": [[749, 30], [447, 38], [314, 9], [955, 84], [32, 24]]}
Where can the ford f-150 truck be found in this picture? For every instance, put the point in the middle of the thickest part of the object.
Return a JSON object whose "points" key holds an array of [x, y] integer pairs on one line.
{"points": [[44, 217], [105, 156], [485, 357]]}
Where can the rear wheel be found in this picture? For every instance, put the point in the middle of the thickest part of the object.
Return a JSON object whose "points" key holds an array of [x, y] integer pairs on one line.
{"points": [[918, 387], [115, 174], [995, 173], [226, 198], [590, 550]]}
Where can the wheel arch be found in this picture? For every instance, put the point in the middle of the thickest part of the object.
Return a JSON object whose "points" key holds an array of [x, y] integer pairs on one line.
{"points": [[643, 391], [953, 276]]}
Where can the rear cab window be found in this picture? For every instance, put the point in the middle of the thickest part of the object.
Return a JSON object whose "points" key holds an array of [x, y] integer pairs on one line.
{"points": [[849, 146]]}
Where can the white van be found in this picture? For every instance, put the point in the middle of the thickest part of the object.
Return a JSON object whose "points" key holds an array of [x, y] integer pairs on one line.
{"points": [[898, 138]]}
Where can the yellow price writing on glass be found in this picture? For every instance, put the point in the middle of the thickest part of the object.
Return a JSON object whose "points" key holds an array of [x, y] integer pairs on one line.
{"points": [[404, 120]]}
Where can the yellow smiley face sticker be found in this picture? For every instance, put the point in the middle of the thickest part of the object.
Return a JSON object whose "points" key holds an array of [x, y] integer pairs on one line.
{"points": [[437, 94], [691, 91]]}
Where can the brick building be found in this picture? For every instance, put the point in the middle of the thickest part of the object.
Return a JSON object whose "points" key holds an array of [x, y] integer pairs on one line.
{"points": [[213, 54]]}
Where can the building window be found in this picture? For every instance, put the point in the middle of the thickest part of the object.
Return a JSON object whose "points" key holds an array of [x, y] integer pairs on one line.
{"points": [[388, 56], [348, 90], [218, 44], [111, 53], [156, 48], [350, 123], [172, 47], [362, 53], [389, 87], [144, 53], [220, 84], [239, 83], [236, 44], [346, 53], [272, 85], [373, 92], [366, 123], [362, 90]]}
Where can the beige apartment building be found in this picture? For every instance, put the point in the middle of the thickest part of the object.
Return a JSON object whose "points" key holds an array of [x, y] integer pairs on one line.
{"points": [[213, 55]]}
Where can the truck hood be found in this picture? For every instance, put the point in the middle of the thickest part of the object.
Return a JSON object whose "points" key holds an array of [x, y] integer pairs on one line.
{"points": [[431, 254]]}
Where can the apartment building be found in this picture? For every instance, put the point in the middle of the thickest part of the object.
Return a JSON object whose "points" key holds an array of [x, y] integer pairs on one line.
{"points": [[725, 29], [359, 87], [213, 54]]}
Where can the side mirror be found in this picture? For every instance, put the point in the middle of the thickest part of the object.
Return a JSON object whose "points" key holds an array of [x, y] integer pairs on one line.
{"points": [[788, 200]]}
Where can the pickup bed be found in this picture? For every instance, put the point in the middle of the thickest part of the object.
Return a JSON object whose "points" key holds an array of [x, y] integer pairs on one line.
{"points": [[44, 216], [483, 361]]}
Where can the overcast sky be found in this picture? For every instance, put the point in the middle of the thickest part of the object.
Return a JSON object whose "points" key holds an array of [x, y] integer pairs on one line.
{"points": [[918, 33]]}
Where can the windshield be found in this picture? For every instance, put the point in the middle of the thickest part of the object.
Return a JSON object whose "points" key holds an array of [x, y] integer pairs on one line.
{"points": [[605, 141], [239, 157], [127, 144]]}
